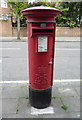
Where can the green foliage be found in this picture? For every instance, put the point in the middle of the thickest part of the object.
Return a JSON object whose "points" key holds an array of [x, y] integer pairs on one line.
{"points": [[71, 12], [65, 107], [16, 8], [3, 19], [71, 15], [38, 4]]}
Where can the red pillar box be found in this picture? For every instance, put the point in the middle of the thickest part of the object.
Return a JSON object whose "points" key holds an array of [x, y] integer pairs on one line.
{"points": [[41, 44]]}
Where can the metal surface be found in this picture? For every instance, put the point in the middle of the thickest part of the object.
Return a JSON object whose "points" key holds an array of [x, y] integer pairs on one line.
{"points": [[40, 98], [41, 14], [41, 41], [40, 72]]}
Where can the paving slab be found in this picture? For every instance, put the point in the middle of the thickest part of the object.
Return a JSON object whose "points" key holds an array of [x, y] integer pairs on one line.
{"points": [[24, 106], [67, 84], [0, 92], [55, 91], [73, 103], [15, 91], [77, 89], [56, 103], [0, 116], [0, 107], [15, 101], [9, 115], [67, 91], [24, 109], [81, 103], [9, 106], [57, 115], [60, 115], [81, 90]]}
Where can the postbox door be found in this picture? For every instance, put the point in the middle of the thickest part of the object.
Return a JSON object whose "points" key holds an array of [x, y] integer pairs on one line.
{"points": [[42, 63], [41, 60]]}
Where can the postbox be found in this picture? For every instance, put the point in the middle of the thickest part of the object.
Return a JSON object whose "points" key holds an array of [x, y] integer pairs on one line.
{"points": [[41, 44]]}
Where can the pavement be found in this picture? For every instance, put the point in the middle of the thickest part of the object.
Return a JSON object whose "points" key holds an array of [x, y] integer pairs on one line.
{"points": [[65, 101], [24, 39], [14, 94]]}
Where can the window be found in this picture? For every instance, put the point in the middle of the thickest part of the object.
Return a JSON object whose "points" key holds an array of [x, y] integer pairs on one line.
{"points": [[3, 17], [4, 3]]}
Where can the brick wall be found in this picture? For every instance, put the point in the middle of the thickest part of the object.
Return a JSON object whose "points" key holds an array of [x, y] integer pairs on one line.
{"points": [[7, 30], [23, 31], [60, 31], [68, 32], [5, 26]]}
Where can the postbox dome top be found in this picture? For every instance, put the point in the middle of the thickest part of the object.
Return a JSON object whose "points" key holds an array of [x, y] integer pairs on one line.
{"points": [[41, 8], [40, 13]]}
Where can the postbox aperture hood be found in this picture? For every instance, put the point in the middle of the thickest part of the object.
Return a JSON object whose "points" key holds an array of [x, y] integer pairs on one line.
{"points": [[40, 13]]}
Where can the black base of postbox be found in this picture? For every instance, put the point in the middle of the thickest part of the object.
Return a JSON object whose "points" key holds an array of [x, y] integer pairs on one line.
{"points": [[40, 98]]}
